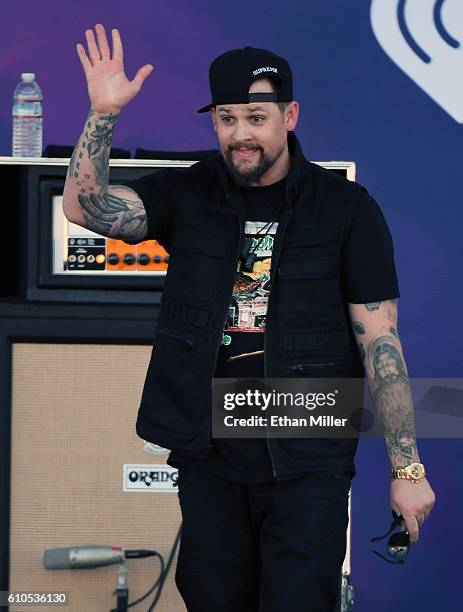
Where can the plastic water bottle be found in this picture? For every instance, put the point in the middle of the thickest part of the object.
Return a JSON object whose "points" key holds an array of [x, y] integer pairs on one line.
{"points": [[27, 117]]}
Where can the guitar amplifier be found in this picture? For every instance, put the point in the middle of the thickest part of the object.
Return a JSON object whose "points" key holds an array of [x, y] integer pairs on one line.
{"points": [[56, 260]]}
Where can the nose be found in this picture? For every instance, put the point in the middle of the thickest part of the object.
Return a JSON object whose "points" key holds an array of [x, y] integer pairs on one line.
{"points": [[241, 131]]}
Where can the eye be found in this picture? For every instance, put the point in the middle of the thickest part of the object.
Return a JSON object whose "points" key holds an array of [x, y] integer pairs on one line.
{"points": [[226, 119], [257, 118]]}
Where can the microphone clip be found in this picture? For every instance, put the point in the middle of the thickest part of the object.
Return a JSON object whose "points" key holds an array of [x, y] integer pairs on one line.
{"points": [[247, 259]]}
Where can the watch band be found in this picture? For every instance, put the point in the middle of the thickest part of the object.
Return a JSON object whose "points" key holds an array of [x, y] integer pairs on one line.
{"points": [[414, 472]]}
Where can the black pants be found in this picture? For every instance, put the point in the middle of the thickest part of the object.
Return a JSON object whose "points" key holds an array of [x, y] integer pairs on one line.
{"points": [[273, 547]]}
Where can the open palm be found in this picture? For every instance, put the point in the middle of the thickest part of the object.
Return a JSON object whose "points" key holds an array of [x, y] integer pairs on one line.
{"points": [[108, 87]]}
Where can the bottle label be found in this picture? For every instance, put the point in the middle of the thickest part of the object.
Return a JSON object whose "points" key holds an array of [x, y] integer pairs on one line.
{"points": [[27, 108]]}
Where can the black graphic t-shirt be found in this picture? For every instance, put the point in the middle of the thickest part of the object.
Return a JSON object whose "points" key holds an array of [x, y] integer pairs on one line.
{"points": [[241, 353]]}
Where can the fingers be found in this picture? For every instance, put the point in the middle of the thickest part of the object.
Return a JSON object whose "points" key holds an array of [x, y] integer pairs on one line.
{"points": [[421, 518], [86, 64], [102, 41], [412, 526], [100, 51], [142, 74], [92, 48], [118, 53]]}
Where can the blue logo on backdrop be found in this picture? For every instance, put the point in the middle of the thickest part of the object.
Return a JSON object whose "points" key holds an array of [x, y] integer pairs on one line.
{"points": [[423, 37]]}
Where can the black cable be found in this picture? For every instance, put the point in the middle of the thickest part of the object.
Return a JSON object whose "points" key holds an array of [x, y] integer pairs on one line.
{"points": [[137, 601], [164, 572]]}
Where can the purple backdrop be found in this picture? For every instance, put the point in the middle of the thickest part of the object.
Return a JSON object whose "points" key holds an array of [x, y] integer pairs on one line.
{"points": [[356, 105]]}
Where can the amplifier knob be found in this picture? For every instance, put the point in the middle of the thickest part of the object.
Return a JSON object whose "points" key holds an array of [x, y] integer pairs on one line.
{"points": [[166, 258], [157, 259], [129, 259], [113, 259], [143, 259]]}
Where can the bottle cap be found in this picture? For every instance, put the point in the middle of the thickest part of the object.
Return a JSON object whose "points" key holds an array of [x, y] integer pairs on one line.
{"points": [[27, 76]]}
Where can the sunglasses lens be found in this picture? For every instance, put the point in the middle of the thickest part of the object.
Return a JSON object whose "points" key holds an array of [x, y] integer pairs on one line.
{"points": [[398, 545], [398, 552], [400, 539]]}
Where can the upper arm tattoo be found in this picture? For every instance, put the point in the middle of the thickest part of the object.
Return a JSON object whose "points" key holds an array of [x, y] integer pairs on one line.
{"points": [[114, 213], [359, 328], [362, 352]]}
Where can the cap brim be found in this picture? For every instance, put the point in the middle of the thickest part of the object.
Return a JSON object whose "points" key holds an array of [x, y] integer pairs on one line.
{"points": [[204, 109]]}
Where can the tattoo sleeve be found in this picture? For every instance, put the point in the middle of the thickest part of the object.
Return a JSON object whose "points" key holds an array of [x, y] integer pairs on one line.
{"points": [[388, 380], [115, 211]]}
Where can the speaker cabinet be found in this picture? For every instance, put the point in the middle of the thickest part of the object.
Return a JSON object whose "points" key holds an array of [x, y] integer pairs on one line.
{"points": [[73, 429]]}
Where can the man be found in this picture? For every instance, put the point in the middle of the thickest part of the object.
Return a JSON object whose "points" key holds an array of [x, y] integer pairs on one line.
{"points": [[278, 268]]}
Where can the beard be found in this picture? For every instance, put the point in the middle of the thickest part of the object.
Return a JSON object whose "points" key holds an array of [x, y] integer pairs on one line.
{"points": [[244, 178], [390, 378]]}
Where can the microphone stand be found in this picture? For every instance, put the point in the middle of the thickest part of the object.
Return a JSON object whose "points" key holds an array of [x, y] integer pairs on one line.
{"points": [[122, 590]]}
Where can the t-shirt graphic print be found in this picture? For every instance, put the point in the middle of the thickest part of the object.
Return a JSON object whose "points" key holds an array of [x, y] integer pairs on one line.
{"points": [[242, 342]]}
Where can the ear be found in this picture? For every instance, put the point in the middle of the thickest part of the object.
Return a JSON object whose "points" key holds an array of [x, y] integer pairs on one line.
{"points": [[214, 118], [291, 115]]}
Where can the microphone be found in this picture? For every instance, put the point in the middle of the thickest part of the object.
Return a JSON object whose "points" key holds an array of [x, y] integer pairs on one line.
{"points": [[88, 556]]}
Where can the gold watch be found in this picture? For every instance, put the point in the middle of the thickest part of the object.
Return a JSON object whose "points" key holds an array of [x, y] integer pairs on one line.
{"points": [[414, 472]]}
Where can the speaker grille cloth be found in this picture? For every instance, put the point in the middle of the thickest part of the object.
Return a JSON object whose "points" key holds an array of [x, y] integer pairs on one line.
{"points": [[74, 409]]}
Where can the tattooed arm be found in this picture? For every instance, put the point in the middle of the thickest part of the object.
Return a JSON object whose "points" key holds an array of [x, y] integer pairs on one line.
{"points": [[375, 329], [115, 210]]}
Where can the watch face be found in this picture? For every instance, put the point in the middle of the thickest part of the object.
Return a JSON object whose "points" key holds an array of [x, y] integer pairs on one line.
{"points": [[416, 471]]}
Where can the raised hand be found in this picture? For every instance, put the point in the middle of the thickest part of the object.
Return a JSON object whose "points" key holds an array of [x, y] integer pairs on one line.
{"points": [[108, 87]]}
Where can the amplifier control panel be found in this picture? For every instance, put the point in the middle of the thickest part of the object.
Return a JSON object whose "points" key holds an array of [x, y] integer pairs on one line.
{"points": [[108, 254], [80, 251]]}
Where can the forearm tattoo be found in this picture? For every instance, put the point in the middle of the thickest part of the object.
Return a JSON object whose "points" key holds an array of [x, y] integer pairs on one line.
{"points": [[390, 387], [111, 214], [92, 151]]}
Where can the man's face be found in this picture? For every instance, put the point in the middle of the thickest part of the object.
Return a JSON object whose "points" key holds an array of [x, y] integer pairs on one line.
{"points": [[253, 137], [387, 367]]}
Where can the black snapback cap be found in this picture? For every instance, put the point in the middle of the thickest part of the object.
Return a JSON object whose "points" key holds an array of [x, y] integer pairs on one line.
{"points": [[232, 73]]}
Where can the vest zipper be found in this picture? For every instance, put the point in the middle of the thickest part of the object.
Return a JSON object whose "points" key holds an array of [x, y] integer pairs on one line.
{"points": [[265, 344], [241, 233]]}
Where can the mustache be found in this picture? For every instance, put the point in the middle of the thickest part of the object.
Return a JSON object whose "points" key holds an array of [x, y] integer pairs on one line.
{"points": [[245, 145]]}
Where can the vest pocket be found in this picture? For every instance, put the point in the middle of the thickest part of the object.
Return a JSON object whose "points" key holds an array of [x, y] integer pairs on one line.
{"points": [[322, 266], [174, 408], [300, 367], [199, 240], [309, 235], [326, 369], [183, 314], [305, 340], [196, 266], [309, 290], [187, 342]]}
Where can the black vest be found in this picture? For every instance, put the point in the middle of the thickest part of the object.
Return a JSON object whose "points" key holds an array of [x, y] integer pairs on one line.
{"points": [[307, 320]]}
